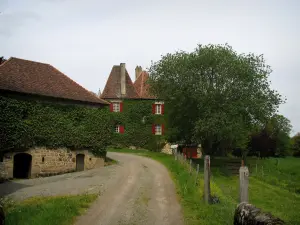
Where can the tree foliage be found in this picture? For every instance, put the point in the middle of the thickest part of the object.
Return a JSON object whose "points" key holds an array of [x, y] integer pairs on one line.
{"points": [[214, 95], [273, 139], [295, 145]]}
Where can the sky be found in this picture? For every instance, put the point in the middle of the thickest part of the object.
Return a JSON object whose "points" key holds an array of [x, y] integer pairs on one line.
{"points": [[85, 38]]}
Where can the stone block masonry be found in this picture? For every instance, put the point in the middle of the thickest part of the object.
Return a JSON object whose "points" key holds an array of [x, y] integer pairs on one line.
{"points": [[46, 162], [247, 214]]}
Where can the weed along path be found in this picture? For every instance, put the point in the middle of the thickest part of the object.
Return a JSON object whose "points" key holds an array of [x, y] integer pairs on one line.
{"points": [[142, 192], [137, 190]]}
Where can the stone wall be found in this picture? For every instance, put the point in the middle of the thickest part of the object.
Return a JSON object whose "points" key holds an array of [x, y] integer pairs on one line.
{"points": [[3, 172], [47, 162], [247, 214], [167, 149]]}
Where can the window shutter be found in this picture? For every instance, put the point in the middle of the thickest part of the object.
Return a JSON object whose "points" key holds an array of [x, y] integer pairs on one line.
{"points": [[121, 129], [111, 107], [153, 108], [153, 128], [162, 129], [121, 106], [163, 109]]}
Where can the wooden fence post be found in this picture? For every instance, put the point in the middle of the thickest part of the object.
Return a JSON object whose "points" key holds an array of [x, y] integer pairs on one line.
{"points": [[207, 179], [190, 166], [197, 174], [244, 183]]}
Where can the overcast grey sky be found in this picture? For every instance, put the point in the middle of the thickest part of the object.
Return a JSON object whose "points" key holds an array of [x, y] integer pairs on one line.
{"points": [[85, 38]]}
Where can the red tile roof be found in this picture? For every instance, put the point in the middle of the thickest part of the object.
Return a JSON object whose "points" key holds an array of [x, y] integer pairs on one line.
{"points": [[142, 87], [112, 89], [19, 75]]}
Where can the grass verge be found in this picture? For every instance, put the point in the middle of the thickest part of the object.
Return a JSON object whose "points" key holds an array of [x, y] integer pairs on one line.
{"points": [[271, 198], [48, 210]]}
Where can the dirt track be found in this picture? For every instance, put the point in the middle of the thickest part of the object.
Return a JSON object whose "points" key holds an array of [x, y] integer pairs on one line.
{"points": [[136, 191]]}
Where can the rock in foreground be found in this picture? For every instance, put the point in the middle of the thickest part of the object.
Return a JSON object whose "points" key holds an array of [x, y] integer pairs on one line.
{"points": [[247, 214]]}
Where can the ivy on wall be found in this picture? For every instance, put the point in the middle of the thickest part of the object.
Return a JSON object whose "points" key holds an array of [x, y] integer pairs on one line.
{"points": [[25, 124], [137, 119]]}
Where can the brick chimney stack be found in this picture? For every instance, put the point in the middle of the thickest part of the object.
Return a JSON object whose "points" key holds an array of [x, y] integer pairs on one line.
{"points": [[138, 71], [123, 78]]}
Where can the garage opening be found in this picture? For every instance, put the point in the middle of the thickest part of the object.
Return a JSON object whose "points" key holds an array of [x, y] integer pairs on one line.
{"points": [[79, 162], [22, 165]]}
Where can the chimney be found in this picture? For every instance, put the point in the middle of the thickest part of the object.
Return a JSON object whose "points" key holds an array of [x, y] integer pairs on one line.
{"points": [[123, 78], [138, 71]]}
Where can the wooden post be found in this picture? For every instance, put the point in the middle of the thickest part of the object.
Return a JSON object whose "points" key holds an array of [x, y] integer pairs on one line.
{"points": [[244, 183], [190, 166], [207, 179], [197, 174], [256, 168]]}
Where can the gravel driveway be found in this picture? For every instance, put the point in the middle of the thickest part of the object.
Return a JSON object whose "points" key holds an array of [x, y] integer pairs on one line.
{"points": [[136, 191]]}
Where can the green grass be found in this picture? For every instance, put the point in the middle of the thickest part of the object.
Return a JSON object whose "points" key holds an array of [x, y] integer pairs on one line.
{"points": [[282, 172], [48, 210], [273, 198]]}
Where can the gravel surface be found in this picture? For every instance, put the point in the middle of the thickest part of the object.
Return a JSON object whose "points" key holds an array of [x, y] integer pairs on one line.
{"points": [[136, 191]]}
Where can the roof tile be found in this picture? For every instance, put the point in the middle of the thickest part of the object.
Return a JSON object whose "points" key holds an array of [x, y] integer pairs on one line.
{"points": [[112, 89], [31, 77], [142, 87]]}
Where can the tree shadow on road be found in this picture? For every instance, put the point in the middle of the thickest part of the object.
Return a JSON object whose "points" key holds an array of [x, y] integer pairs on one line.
{"points": [[10, 187]]}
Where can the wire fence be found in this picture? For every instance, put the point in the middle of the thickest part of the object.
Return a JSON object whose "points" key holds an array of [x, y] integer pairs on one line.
{"points": [[193, 168]]}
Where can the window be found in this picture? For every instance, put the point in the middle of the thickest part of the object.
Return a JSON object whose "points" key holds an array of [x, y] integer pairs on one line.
{"points": [[117, 129], [158, 129], [116, 107], [157, 108]]}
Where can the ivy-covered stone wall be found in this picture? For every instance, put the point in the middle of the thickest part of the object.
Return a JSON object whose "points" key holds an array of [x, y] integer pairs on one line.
{"points": [[138, 119], [27, 124]]}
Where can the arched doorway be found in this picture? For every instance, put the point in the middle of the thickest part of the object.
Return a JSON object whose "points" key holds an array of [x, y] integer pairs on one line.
{"points": [[22, 165], [79, 162]]}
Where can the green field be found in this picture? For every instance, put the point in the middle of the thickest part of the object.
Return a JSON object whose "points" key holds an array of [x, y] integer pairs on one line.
{"points": [[278, 197], [48, 210]]}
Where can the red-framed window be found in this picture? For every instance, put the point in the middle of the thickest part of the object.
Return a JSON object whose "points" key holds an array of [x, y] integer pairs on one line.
{"points": [[119, 129], [116, 106], [158, 108], [158, 129]]}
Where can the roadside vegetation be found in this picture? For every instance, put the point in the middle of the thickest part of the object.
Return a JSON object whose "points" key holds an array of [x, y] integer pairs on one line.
{"points": [[48, 210], [273, 198]]}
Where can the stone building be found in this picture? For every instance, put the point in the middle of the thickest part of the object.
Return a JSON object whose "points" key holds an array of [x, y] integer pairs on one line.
{"points": [[119, 88], [29, 80]]}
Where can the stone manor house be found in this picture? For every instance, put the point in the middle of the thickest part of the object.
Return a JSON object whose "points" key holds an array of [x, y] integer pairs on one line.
{"points": [[119, 88], [28, 80]]}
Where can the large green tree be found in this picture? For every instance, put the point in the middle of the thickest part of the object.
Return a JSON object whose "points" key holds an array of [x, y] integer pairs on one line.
{"points": [[214, 96]]}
